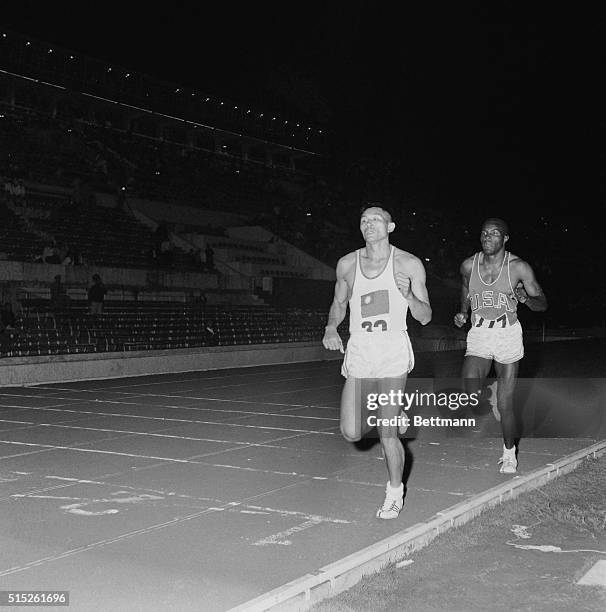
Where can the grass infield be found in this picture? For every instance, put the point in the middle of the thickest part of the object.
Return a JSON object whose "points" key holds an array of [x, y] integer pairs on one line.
{"points": [[525, 554]]}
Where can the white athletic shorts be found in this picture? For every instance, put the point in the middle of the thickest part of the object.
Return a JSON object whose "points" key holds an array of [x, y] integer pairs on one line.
{"points": [[378, 355], [503, 344]]}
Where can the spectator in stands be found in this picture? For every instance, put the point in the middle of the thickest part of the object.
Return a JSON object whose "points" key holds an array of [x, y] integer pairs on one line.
{"points": [[210, 258], [58, 294], [96, 295]]}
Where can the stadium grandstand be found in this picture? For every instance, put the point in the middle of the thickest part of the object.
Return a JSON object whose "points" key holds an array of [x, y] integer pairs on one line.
{"points": [[210, 223], [170, 195]]}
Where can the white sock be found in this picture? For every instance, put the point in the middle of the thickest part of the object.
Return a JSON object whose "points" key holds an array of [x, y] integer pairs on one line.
{"points": [[509, 451], [395, 492]]}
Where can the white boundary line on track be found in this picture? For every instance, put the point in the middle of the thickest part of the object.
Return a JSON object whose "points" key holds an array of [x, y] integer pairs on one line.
{"points": [[190, 460], [184, 421], [101, 543], [244, 413], [266, 444], [304, 592], [226, 376]]}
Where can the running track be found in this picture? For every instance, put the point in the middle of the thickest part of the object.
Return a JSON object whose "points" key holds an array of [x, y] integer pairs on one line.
{"points": [[200, 491]]}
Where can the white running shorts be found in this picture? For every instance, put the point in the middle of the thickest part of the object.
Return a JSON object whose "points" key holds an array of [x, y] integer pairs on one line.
{"points": [[503, 344], [378, 355]]}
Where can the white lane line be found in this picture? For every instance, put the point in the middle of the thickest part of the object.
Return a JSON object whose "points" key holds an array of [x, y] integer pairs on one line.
{"points": [[239, 446], [160, 462], [95, 451], [129, 433], [137, 532], [106, 542], [38, 397], [173, 420], [170, 436], [33, 407], [66, 482], [229, 376], [251, 469], [152, 395], [17, 422], [190, 461], [309, 389], [231, 401], [216, 399], [260, 401], [50, 448], [281, 413], [198, 379], [241, 384]]}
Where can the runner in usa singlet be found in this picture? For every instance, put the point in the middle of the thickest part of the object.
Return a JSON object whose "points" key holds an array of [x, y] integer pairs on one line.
{"points": [[492, 304]]}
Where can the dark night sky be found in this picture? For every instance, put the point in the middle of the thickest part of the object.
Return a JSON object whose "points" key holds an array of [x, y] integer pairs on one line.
{"points": [[481, 99]]}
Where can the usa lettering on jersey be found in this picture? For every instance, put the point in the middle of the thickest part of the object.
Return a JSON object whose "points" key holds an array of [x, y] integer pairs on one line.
{"points": [[490, 299]]}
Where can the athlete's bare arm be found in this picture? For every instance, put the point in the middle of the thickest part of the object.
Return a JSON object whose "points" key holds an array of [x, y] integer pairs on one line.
{"points": [[410, 279], [338, 308], [465, 270], [526, 288]]}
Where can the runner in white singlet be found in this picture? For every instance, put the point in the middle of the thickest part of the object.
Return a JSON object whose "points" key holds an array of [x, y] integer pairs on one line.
{"points": [[381, 283]]}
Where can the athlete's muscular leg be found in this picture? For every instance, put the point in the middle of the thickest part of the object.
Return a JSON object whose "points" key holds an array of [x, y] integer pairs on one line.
{"points": [[354, 411], [475, 371], [507, 374], [393, 451]]}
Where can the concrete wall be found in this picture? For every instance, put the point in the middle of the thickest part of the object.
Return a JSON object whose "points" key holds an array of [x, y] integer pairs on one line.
{"points": [[19, 371]]}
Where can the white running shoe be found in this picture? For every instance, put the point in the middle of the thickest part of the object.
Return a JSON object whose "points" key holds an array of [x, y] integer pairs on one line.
{"points": [[509, 463], [392, 506], [492, 400]]}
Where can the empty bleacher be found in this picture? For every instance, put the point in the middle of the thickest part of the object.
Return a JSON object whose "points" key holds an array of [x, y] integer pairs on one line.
{"points": [[130, 326]]}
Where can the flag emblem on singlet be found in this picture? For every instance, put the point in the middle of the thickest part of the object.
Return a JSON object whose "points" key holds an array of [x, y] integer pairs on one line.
{"points": [[375, 303]]}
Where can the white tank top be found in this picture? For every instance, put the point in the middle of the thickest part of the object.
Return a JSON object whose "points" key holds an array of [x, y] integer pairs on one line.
{"points": [[376, 305]]}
